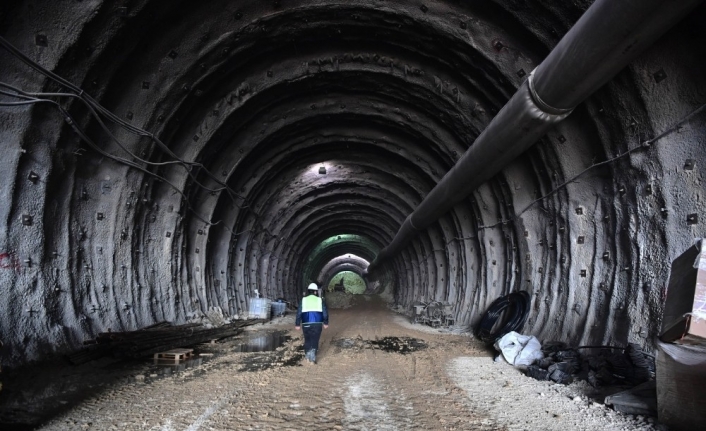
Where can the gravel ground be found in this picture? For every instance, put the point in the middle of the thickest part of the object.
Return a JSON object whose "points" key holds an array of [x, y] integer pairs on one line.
{"points": [[452, 384], [519, 402]]}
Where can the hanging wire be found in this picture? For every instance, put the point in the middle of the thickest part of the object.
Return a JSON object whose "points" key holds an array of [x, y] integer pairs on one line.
{"points": [[96, 111], [95, 108], [645, 145]]}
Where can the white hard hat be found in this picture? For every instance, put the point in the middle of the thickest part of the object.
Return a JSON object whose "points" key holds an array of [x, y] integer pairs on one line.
{"points": [[313, 286]]}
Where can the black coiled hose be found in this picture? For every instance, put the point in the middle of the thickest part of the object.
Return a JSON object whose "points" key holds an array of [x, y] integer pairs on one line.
{"points": [[518, 304]]}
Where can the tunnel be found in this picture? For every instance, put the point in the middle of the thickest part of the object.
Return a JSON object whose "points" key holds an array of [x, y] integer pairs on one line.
{"points": [[162, 158]]}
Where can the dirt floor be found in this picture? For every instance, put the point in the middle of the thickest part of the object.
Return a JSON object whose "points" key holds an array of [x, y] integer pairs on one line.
{"points": [[363, 381]]}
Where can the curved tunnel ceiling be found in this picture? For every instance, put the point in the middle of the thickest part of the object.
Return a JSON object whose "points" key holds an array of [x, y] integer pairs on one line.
{"points": [[242, 103]]}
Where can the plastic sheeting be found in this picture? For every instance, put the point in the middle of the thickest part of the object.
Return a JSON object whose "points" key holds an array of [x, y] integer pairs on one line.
{"points": [[681, 386], [519, 350]]}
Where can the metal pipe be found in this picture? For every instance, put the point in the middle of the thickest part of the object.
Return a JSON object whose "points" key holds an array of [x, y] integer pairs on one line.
{"points": [[609, 35]]}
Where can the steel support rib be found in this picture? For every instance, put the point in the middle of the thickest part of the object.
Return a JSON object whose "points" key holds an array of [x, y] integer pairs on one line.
{"points": [[609, 35]]}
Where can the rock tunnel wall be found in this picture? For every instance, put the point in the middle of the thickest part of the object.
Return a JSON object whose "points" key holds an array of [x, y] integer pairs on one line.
{"points": [[208, 182]]}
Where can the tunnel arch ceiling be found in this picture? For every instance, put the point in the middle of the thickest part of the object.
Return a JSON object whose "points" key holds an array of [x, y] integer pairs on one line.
{"points": [[242, 103]]}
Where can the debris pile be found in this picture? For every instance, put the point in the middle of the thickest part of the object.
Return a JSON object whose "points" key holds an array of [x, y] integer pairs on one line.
{"points": [[434, 314], [402, 345], [609, 366], [339, 300]]}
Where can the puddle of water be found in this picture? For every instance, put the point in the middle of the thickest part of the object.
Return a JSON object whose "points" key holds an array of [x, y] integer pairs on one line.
{"points": [[263, 342], [271, 356]]}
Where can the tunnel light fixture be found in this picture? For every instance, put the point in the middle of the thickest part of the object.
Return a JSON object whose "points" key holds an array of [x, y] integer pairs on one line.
{"points": [[322, 170]]}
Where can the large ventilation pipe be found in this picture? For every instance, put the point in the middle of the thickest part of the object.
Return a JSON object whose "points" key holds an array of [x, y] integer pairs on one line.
{"points": [[609, 35]]}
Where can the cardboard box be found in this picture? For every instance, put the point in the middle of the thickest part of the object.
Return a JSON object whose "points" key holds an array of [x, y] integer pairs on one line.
{"points": [[684, 320]]}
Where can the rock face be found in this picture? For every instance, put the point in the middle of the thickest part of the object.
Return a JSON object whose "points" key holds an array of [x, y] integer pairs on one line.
{"points": [[252, 144]]}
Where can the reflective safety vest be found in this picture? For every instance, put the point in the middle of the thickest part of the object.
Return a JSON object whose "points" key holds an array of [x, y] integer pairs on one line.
{"points": [[312, 303], [312, 310]]}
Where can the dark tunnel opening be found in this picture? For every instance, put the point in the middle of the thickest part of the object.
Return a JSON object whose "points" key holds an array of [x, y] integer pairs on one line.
{"points": [[164, 159]]}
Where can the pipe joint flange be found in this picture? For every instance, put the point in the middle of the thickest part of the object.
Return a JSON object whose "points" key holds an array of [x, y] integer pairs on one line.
{"points": [[541, 104], [412, 223]]}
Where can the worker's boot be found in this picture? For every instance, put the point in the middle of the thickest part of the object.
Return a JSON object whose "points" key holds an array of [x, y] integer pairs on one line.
{"points": [[311, 356]]}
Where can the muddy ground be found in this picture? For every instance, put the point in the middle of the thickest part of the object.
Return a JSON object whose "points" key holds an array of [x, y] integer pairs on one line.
{"points": [[364, 380]]}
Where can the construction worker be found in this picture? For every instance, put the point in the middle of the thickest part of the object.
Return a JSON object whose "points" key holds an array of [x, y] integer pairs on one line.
{"points": [[312, 318]]}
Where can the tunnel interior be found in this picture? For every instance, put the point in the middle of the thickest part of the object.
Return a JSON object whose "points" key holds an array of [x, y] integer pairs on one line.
{"points": [[164, 157], [348, 281]]}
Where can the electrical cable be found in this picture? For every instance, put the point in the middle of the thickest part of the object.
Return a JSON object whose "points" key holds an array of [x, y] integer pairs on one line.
{"points": [[96, 110], [69, 119], [92, 107], [90, 142], [186, 165], [95, 106], [644, 145], [30, 98], [26, 102], [517, 304]]}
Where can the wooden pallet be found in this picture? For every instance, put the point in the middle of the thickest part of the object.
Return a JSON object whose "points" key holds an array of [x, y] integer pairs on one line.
{"points": [[173, 357]]}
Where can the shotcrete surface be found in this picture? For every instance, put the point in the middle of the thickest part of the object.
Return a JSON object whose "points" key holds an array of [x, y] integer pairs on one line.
{"points": [[451, 385]]}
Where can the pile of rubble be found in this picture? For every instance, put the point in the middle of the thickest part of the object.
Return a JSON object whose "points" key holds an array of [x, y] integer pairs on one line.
{"points": [[339, 300], [600, 366]]}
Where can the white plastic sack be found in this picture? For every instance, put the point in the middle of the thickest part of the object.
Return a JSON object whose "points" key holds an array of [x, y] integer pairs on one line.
{"points": [[519, 349]]}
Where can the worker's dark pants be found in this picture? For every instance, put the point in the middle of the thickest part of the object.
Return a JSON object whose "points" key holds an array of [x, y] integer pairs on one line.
{"points": [[312, 333]]}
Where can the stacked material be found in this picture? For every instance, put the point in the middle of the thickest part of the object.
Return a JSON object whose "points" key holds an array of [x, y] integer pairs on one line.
{"points": [[153, 339], [599, 365], [260, 308], [681, 349]]}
